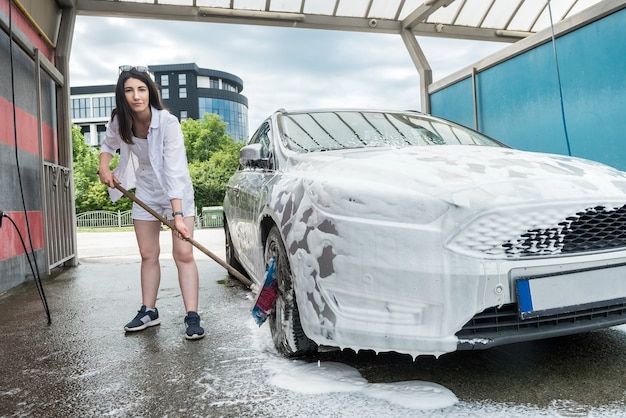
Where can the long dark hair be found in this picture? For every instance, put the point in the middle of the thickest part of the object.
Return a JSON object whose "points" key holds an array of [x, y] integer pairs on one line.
{"points": [[122, 109]]}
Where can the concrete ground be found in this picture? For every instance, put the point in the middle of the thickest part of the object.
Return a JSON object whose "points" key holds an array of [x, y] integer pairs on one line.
{"points": [[83, 364]]}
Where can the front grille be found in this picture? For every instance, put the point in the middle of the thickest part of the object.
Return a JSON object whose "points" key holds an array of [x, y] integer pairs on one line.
{"points": [[503, 323], [544, 232], [596, 228]]}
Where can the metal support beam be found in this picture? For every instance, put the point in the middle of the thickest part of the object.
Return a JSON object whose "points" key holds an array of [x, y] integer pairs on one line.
{"points": [[64, 127], [475, 97], [42, 179], [421, 63]]}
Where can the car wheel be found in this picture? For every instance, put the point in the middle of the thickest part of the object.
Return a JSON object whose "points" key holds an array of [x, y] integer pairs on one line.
{"points": [[287, 333], [230, 251]]}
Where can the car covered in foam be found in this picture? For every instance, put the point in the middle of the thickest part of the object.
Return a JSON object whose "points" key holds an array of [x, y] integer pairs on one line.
{"points": [[399, 231]]}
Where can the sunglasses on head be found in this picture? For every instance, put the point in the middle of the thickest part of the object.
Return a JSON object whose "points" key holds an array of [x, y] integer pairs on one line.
{"points": [[141, 69]]}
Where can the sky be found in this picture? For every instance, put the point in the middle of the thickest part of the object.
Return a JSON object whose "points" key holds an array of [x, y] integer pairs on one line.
{"points": [[290, 68]]}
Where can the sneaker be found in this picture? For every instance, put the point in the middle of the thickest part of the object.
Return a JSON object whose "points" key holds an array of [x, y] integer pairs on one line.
{"points": [[143, 320], [194, 330]]}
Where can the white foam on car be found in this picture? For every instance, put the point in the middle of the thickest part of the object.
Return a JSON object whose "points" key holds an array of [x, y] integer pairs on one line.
{"points": [[413, 298]]}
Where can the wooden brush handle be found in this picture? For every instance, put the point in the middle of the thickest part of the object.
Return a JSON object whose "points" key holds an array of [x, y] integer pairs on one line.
{"points": [[236, 274]]}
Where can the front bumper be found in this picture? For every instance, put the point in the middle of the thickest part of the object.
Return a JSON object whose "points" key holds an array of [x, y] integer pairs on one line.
{"points": [[502, 325], [414, 288], [439, 302]]}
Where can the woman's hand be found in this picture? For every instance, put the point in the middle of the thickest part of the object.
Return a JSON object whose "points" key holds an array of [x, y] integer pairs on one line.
{"points": [[181, 230], [107, 177], [104, 172]]}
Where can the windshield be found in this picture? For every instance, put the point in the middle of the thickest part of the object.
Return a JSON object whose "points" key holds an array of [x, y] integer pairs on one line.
{"points": [[326, 130]]}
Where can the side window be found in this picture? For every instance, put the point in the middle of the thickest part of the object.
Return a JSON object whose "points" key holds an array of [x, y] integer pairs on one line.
{"points": [[263, 136], [264, 140]]}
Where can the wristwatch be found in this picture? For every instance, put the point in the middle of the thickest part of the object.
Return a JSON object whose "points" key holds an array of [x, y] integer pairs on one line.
{"points": [[177, 213]]}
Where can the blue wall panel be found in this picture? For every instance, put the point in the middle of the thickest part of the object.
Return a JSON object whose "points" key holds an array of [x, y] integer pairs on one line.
{"points": [[455, 103], [519, 103]]}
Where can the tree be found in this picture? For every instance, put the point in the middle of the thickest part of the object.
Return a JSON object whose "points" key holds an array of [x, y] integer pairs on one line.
{"points": [[213, 158], [204, 136], [89, 193], [209, 178]]}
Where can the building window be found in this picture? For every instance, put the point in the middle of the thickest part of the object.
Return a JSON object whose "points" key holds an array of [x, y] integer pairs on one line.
{"points": [[165, 80], [215, 83], [165, 93], [102, 130], [183, 114], [233, 113], [81, 108], [102, 106], [84, 129], [182, 79], [182, 92], [203, 82]]}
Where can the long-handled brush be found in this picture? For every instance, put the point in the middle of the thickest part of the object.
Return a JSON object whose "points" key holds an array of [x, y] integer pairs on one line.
{"points": [[243, 279], [266, 298]]}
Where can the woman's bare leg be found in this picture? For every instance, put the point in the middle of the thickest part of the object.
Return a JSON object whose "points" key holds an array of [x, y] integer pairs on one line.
{"points": [[187, 268], [147, 233]]}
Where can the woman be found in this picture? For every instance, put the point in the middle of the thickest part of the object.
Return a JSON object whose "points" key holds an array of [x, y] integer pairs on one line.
{"points": [[154, 162]]}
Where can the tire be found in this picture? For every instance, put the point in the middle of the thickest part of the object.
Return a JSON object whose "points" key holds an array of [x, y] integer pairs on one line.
{"points": [[287, 333], [231, 259]]}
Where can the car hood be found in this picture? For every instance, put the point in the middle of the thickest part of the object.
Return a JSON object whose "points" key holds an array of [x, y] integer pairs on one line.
{"points": [[465, 175]]}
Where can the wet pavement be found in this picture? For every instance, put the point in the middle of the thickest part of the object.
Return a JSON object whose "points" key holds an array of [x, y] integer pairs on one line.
{"points": [[84, 365]]}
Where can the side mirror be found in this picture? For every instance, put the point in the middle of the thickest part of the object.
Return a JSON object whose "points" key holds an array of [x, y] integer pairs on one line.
{"points": [[251, 156]]}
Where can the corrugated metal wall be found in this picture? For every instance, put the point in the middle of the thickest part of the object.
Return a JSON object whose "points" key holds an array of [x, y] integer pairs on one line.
{"points": [[35, 171]]}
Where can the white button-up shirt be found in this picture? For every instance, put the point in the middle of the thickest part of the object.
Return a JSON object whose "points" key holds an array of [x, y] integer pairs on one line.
{"points": [[166, 151]]}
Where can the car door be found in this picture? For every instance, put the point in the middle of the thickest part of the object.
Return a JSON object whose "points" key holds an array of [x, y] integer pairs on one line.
{"points": [[252, 187]]}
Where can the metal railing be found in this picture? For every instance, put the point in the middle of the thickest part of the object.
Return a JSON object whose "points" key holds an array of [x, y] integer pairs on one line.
{"points": [[104, 219], [120, 219], [58, 199]]}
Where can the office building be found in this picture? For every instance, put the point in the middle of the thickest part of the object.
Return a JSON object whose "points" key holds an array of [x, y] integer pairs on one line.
{"points": [[187, 91]]}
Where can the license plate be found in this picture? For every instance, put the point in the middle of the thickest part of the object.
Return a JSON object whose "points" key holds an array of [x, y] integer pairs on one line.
{"points": [[572, 291]]}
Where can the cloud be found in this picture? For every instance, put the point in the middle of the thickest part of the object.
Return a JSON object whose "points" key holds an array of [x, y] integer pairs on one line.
{"points": [[288, 68]]}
